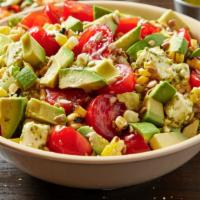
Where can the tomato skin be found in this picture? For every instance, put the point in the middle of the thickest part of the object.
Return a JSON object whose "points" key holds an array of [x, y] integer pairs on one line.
{"points": [[148, 29], [185, 33], [127, 24], [14, 8], [194, 79], [135, 144], [67, 140], [125, 83], [102, 112], [67, 98], [49, 44], [78, 10], [35, 19]]}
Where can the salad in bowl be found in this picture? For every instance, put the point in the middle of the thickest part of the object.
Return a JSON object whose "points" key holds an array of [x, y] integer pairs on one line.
{"points": [[84, 80]]}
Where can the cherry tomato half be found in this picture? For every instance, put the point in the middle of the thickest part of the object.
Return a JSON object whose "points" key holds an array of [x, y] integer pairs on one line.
{"points": [[125, 83], [102, 111], [185, 33], [135, 144], [67, 140], [67, 98], [78, 10], [49, 44], [148, 29], [95, 41], [195, 79]]}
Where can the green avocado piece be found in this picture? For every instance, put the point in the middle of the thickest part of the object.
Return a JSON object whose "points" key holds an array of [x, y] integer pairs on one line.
{"points": [[178, 44], [106, 70], [4, 41], [146, 129], [154, 113], [157, 38], [73, 24], [128, 39], [195, 53], [132, 51], [163, 140], [80, 78], [192, 129], [100, 11], [163, 92], [171, 15], [33, 52], [44, 112], [84, 130], [62, 59], [11, 113], [25, 77]]}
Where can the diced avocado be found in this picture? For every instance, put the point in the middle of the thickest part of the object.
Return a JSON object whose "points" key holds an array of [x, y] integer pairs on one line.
{"points": [[33, 52], [191, 129], [132, 51], [4, 41], [16, 140], [34, 134], [100, 11], [80, 78], [110, 20], [128, 39], [178, 44], [171, 15], [84, 130], [97, 142], [130, 99], [114, 148], [163, 92], [196, 53], [73, 24], [146, 129], [105, 69], [163, 140], [155, 39], [62, 59], [26, 77], [44, 112], [11, 113], [154, 113]]}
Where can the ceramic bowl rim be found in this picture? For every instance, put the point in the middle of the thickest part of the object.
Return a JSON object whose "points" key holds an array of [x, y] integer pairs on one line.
{"points": [[187, 4]]}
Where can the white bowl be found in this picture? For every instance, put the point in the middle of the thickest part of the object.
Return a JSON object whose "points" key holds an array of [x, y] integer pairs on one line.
{"points": [[104, 172]]}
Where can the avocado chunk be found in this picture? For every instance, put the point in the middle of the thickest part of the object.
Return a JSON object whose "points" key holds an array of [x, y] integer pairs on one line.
{"points": [[80, 78], [44, 112], [163, 92], [196, 53], [163, 140], [145, 129], [132, 51], [154, 113], [33, 52], [97, 142], [100, 11], [171, 15], [178, 44], [73, 24], [25, 77], [34, 134], [128, 39], [155, 39], [11, 113], [110, 20], [62, 59], [4, 41], [192, 129], [105, 69], [85, 130]]}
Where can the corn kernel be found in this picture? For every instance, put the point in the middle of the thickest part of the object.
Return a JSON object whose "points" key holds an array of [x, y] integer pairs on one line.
{"points": [[71, 117], [3, 93], [71, 42], [121, 122], [179, 58], [82, 60], [61, 39], [131, 116], [144, 72], [5, 30], [194, 63], [171, 55], [142, 80], [76, 125], [80, 111], [194, 44]]}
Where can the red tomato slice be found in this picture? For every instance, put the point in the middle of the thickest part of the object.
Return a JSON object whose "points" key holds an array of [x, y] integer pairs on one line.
{"points": [[185, 33], [135, 144], [195, 79], [95, 41], [35, 19], [54, 13], [67, 140], [148, 29], [49, 44], [102, 111], [78, 10], [125, 83], [127, 24], [14, 8], [67, 98]]}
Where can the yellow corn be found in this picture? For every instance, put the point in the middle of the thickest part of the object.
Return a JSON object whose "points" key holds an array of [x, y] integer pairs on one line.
{"points": [[194, 44], [76, 125], [61, 39], [142, 80], [179, 58], [3, 93], [5, 30], [71, 117], [121, 123], [194, 63], [80, 111], [144, 72], [71, 42], [171, 55]]}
